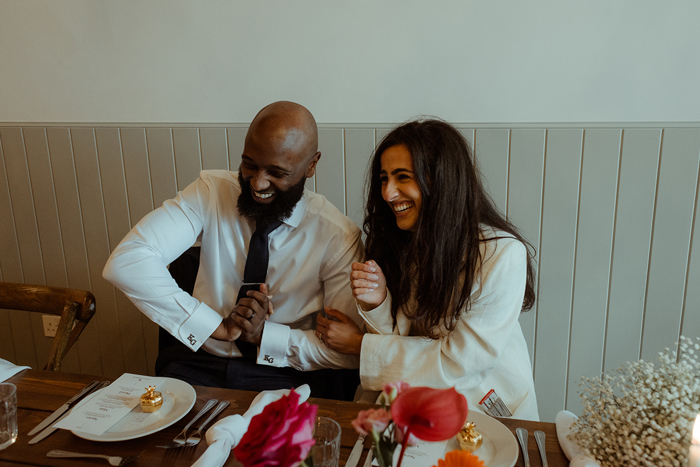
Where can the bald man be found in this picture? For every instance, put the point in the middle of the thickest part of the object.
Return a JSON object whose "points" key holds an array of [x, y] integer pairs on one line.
{"points": [[262, 336]]}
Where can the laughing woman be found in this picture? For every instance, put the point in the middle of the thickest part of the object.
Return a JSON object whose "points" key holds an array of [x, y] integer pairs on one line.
{"points": [[446, 278]]}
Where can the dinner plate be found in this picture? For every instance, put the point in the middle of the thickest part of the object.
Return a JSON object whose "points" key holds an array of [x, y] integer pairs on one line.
{"points": [[499, 447], [178, 399]]}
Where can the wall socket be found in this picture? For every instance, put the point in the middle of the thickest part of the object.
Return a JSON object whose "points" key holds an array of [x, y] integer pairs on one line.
{"points": [[50, 324]]}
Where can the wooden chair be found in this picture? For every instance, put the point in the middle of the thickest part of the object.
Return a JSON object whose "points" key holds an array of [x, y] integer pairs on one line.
{"points": [[75, 307]]}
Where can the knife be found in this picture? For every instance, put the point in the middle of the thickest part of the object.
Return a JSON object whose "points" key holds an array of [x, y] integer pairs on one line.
{"points": [[356, 452], [51, 428], [52, 418], [368, 459]]}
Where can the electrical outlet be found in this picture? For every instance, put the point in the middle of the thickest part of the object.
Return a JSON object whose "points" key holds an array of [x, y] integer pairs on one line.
{"points": [[50, 324]]}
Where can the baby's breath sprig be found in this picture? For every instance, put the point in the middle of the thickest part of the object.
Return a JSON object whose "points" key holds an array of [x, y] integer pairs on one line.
{"points": [[642, 413]]}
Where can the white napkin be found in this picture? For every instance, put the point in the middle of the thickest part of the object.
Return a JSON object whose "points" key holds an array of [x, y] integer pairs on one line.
{"points": [[225, 434], [564, 420], [8, 369]]}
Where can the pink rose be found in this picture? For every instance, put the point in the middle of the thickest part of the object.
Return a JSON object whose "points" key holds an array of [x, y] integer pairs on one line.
{"points": [[281, 435], [371, 420], [390, 391]]}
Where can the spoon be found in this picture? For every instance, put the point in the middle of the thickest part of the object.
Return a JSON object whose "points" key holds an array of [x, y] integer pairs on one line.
{"points": [[522, 438], [539, 437]]}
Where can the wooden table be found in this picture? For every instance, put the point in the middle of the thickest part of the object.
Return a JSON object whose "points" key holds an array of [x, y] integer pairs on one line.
{"points": [[41, 392]]}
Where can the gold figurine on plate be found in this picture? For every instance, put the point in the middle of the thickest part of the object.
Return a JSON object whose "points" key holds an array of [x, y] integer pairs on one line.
{"points": [[469, 439], [151, 400]]}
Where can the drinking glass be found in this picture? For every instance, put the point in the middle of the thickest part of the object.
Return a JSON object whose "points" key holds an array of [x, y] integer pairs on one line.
{"points": [[326, 451], [8, 414]]}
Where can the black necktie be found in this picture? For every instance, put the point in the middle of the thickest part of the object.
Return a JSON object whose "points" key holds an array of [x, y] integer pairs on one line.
{"points": [[258, 258]]}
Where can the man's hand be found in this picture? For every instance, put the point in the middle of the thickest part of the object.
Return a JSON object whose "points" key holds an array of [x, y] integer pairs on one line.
{"points": [[250, 314], [368, 284], [342, 335]]}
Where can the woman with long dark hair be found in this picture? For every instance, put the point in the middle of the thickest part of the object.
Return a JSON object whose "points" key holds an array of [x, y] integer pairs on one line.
{"points": [[446, 278]]}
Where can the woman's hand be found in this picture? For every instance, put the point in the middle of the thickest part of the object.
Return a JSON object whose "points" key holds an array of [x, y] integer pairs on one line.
{"points": [[368, 284], [342, 335]]}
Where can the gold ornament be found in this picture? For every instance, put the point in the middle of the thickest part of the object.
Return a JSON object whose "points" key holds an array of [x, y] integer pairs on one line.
{"points": [[151, 400], [469, 439]]}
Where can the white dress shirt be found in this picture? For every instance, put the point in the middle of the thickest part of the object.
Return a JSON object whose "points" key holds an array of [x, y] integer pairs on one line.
{"points": [[311, 255], [486, 349]]}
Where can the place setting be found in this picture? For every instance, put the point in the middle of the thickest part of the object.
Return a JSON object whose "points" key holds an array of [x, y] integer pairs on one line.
{"points": [[133, 406], [116, 411], [422, 426]]}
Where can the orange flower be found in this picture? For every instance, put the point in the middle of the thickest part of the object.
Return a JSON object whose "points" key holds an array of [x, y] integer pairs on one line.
{"points": [[460, 459]]}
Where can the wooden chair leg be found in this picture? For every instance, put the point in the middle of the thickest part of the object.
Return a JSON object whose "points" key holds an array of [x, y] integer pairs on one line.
{"points": [[65, 326]]}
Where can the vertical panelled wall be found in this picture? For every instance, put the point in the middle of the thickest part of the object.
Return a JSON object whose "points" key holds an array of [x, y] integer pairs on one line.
{"points": [[611, 213]]}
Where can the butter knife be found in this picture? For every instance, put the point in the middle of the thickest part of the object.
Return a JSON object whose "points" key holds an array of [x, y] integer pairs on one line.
{"points": [[356, 452], [51, 428], [54, 416]]}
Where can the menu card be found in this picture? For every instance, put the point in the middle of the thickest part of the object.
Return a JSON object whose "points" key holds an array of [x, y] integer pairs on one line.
{"points": [[109, 405], [422, 454]]}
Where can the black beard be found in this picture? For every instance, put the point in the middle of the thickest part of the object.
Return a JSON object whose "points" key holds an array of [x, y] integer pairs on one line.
{"points": [[278, 210]]}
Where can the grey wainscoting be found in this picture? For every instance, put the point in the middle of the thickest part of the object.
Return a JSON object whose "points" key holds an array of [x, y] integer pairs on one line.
{"points": [[610, 209]]}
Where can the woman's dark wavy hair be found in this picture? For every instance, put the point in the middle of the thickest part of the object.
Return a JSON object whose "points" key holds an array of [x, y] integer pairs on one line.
{"points": [[446, 241]]}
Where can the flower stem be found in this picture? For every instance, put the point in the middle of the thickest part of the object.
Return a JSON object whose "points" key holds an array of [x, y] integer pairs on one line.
{"points": [[377, 449], [403, 445]]}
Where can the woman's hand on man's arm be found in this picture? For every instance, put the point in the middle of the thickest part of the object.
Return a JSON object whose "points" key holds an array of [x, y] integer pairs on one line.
{"points": [[340, 334]]}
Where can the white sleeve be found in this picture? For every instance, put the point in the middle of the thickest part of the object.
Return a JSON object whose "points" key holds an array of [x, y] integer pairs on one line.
{"points": [[137, 267], [467, 355], [379, 320], [303, 350]]}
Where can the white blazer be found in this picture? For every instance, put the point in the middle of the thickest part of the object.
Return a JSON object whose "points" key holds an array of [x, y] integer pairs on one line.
{"points": [[486, 349]]}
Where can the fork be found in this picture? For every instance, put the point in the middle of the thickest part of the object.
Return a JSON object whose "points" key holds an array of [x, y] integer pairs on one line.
{"points": [[181, 438], [113, 460], [196, 437]]}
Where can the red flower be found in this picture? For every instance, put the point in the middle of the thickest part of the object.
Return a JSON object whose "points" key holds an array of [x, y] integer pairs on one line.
{"points": [[281, 435], [429, 414], [371, 420]]}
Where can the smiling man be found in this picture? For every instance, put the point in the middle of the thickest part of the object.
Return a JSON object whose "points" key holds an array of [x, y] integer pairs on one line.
{"points": [[243, 320]]}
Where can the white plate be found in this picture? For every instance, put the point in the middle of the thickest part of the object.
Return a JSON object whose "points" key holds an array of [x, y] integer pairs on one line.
{"points": [[499, 448], [178, 399]]}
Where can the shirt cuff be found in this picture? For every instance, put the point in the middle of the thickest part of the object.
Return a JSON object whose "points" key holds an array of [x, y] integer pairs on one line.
{"points": [[378, 317], [274, 344], [198, 327]]}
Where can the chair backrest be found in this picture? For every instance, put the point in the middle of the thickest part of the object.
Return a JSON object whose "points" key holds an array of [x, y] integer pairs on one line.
{"points": [[75, 307]]}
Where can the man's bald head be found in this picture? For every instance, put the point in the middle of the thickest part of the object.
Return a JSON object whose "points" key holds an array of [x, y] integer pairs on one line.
{"points": [[280, 153], [286, 127]]}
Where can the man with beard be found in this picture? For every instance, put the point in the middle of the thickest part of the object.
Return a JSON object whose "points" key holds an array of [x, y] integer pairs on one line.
{"points": [[227, 333]]}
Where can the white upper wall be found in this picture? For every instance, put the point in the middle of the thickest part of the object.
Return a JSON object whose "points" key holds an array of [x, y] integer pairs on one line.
{"points": [[350, 61]]}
